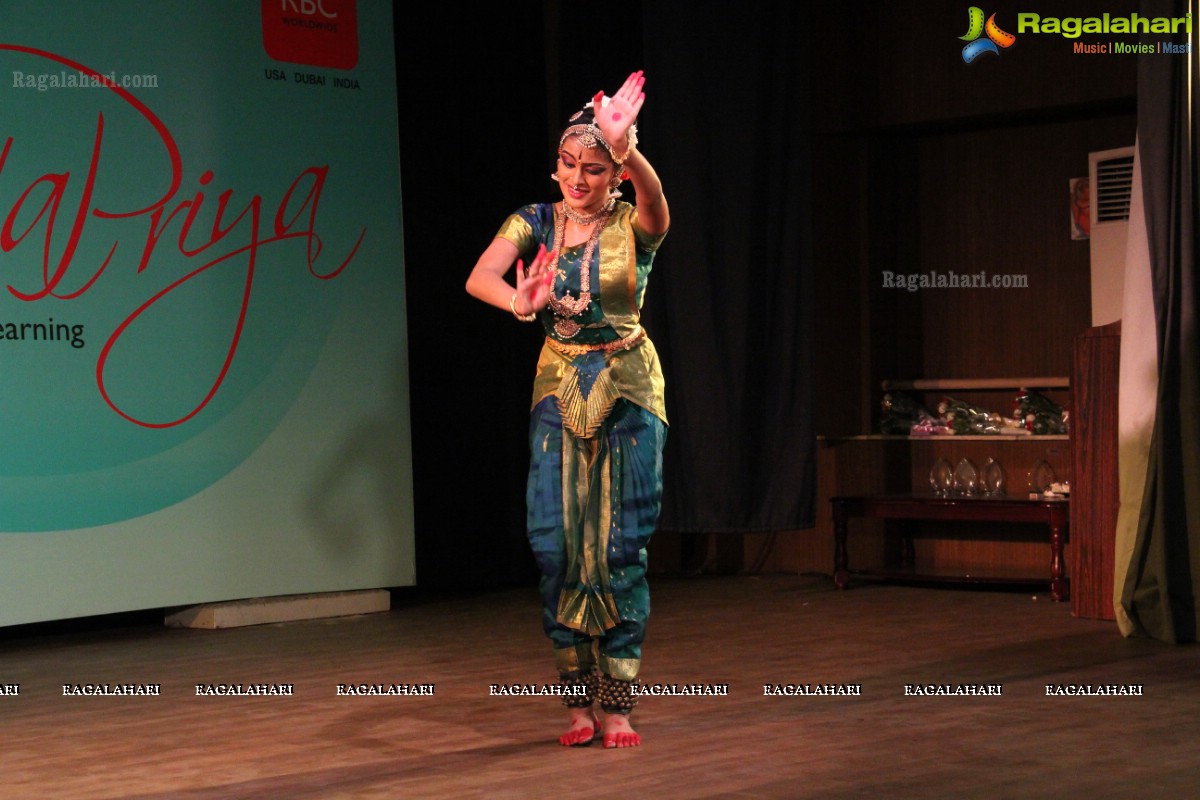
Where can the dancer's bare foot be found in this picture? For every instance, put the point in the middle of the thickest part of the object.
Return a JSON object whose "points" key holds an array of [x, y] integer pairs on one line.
{"points": [[619, 733], [584, 728]]}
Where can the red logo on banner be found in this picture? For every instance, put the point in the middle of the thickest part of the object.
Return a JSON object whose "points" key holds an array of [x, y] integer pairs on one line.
{"points": [[319, 33]]}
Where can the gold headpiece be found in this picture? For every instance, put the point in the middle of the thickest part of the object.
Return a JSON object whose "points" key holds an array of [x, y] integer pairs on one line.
{"points": [[584, 126]]}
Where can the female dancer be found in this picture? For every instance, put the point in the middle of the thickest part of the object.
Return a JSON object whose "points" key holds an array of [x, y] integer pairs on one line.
{"points": [[598, 423]]}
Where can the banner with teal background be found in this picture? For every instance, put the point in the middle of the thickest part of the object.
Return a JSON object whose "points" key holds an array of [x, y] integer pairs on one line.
{"points": [[202, 326]]}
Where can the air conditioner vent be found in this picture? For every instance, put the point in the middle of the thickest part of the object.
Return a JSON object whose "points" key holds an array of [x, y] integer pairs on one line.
{"points": [[1111, 176], [1112, 189]]}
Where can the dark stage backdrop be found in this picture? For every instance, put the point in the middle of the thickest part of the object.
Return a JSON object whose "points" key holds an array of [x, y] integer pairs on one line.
{"points": [[481, 102], [730, 311]]}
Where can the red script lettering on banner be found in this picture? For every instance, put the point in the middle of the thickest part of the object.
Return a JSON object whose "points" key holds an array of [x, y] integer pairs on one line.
{"points": [[294, 218]]}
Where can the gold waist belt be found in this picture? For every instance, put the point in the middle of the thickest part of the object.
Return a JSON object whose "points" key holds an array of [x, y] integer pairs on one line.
{"points": [[627, 343]]}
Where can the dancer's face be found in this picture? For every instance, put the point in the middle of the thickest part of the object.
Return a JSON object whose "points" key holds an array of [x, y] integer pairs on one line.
{"points": [[584, 174]]}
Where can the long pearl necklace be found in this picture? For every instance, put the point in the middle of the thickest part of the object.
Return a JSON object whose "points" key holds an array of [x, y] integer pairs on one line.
{"points": [[567, 306]]}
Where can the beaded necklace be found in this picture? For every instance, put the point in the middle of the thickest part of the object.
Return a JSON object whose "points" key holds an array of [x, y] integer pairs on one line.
{"points": [[567, 306], [586, 219]]}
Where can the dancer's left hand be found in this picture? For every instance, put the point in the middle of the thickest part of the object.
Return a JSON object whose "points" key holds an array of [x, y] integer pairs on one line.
{"points": [[615, 117]]}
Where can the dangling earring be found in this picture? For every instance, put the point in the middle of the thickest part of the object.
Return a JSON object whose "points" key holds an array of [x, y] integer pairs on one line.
{"points": [[613, 190], [554, 177]]}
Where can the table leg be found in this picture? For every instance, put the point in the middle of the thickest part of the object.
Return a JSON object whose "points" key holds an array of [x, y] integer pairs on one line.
{"points": [[841, 573], [1059, 587], [908, 553]]}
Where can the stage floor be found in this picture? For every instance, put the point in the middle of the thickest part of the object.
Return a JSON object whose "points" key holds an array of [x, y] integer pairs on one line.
{"points": [[903, 735]]}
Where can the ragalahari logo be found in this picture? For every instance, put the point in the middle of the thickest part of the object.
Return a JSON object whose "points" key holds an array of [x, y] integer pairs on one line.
{"points": [[976, 27]]}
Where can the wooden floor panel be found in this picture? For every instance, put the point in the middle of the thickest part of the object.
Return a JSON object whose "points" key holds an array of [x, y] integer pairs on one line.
{"points": [[741, 631]]}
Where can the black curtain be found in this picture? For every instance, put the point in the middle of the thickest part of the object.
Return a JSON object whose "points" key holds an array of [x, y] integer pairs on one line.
{"points": [[470, 94], [481, 94], [1160, 592], [482, 97], [730, 300]]}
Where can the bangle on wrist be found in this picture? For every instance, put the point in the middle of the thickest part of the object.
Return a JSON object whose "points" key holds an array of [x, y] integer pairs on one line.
{"points": [[512, 305], [631, 141]]}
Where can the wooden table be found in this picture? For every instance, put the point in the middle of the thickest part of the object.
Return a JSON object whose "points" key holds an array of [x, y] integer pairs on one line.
{"points": [[1053, 513]]}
